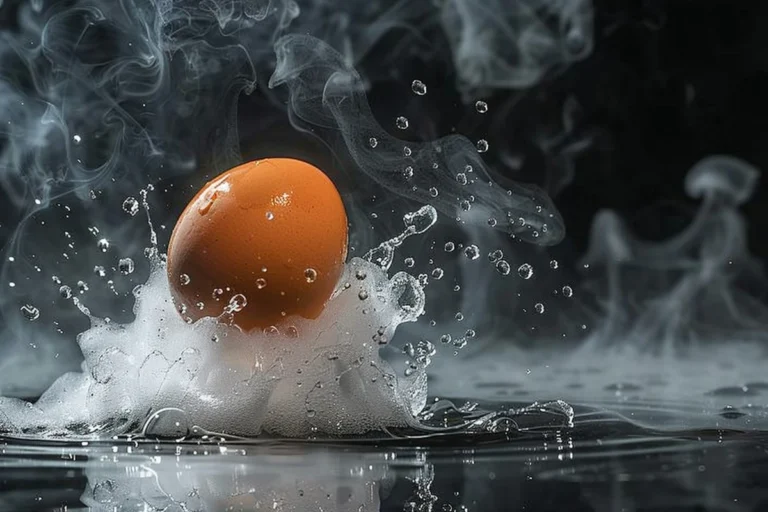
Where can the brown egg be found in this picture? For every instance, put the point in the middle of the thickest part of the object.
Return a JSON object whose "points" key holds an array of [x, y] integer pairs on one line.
{"points": [[273, 231]]}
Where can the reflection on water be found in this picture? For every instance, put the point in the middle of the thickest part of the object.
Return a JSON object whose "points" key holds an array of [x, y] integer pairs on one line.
{"points": [[603, 462]]}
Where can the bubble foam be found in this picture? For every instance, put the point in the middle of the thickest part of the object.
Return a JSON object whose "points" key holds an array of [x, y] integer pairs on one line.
{"points": [[168, 377]]}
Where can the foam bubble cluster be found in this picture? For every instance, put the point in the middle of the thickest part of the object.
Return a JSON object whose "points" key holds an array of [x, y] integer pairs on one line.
{"points": [[166, 376]]}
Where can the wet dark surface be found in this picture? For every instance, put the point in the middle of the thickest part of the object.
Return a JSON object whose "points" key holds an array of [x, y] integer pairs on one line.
{"points": [[602, 463]]}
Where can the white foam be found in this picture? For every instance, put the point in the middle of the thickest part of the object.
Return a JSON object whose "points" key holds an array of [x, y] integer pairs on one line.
{"points": [[328, 381]]}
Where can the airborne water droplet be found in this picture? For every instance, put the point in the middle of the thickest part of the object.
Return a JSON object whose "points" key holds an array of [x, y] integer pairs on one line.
{"points": [[525, 270], [449, 246], [482, 146], [539, 307], [30, 312], [567, 291], [554, 265], [502, 267], [461, 178], [418, 87], [409, 262], [495, 255], [131, 206], [481, 107], [433, 192], [125, 265], [402, 122], [472, 252], [103, 245], [408, 172], [65, 292], [82, 286], [373, 142], [99, 271], [437, 273]]}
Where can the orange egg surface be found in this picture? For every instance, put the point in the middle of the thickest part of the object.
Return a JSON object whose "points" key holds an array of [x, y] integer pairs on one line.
{"points": [[273, 231]]}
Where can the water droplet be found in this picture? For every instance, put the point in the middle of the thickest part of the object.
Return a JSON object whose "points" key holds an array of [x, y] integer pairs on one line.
{"points": [[131, 206], [103, 244], [539, 307], [433, 192], [261, 283], [496, 255], [82, 286], [65, 292], [184, 279], [310, 275], [445, 338], [360, 275], [492, 222], [362, 295], [459, 316], [407, 151], [470, 333], [408, 172], [567, 291], [402, 122], [418, 87], [554, 265], [465, 205], [525, 270], [30, 312], [77, 139], [437, 273], [472, 252], [461, 178], [423, 280], [481, 107], [482, 146], [125, 266], [421, 220], [237, 303], [449, 246], [99, 271], [270, 215], [503, 268], [409, 262], [373, 142]]}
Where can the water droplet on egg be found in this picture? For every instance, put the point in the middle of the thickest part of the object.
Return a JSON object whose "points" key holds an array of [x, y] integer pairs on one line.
{"points": [[373, 142], [402, 122], [482, 146], [409, 262], [461, 178], [496, 255], [449, 246], [310, 275], [437, 273], [433, 192], [261, 283], [184, 279], [525, 270], [362, 295]]}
